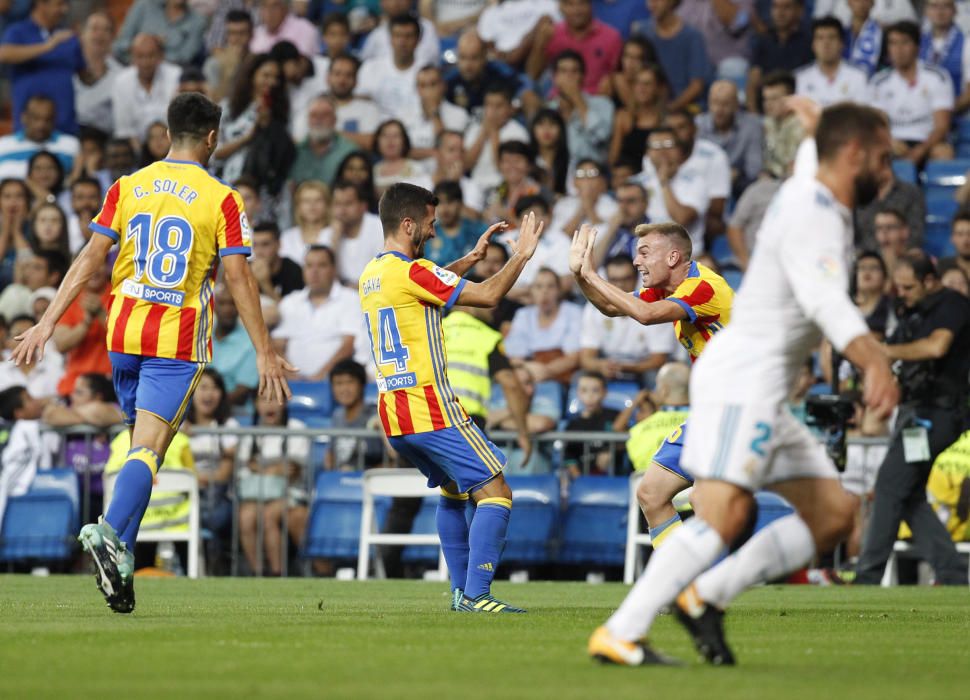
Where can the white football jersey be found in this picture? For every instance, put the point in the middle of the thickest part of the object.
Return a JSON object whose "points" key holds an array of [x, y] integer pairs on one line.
{"points": [[910, 106], [795, 290], [848, 84]]}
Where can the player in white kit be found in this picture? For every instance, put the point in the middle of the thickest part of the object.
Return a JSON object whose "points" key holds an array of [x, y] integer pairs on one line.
{"points": [[742, 436]]}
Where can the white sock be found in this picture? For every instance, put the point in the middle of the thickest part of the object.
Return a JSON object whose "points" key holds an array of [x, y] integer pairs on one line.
{"points": [[691, 549], [783, 546]]}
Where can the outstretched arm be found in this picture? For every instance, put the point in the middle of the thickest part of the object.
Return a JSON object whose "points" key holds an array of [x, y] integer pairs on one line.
{"points": [[490, 292], [245, 292], [91, 258]]}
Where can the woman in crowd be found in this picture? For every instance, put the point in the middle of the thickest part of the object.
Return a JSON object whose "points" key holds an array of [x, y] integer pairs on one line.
{"points": [[644, 111], [272, 488], [637, 53], [870, 295], [156, 144], [45, 178], [544, 337], [391, 149], [356, 168], [48, 229], [311, 212], [258, 100], [14, 225], [214, 459], [549, 143]]}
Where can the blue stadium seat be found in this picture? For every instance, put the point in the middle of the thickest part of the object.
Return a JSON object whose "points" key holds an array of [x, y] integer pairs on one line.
{"points": [[594, 528], [962, 128], [534, 525], [940, 208], [371, 394], [733, 277], [310, 399], [333, 528], [319, 445], [721, 250], [936, 239], [619, 395], [905, 171], [43, 523], [424, 524], [944, 176]]}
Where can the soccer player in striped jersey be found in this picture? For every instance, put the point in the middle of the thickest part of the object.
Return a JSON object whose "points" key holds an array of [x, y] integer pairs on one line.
{"points": [[402, 296], [173, 224]]}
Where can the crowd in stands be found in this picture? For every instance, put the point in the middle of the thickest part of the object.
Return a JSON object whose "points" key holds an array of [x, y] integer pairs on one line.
{"points": [[608, 112]]}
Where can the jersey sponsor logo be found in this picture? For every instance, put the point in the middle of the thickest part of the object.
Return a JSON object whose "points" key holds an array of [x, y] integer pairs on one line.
{"points": [[829, 267], [137, 290], [244, 227], [446, 276], [400, 381]]}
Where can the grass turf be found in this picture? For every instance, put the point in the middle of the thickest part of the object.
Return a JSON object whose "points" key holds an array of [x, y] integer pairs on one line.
{"points": [[327, 639]]}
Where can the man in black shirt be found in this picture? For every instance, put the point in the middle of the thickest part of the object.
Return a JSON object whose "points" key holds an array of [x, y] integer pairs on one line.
{"points": [[930, 347], [277, 276]]}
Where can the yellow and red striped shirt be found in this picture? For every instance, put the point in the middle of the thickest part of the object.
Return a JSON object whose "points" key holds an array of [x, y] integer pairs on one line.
{"points": [[402, 301], [172, 221]]}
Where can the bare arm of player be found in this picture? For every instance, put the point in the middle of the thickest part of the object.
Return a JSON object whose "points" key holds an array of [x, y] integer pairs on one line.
{"points": [[467, 262], [271, 366], [518, 404], [89, 260], [490, 292], [880, 391]]}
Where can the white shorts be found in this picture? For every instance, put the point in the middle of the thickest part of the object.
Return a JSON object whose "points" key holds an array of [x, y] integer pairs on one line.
{"points": [[752, 445]]}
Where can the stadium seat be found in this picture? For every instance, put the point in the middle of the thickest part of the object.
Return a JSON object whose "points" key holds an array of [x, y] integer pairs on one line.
{"points": [[333, 528], [318, 445], [534, 524], [424, 524], [721, 250], [905, 171], [310, 399], [619, 395], [936, 239], [962, 128], [43, 523], [371, 394], [733, 277], [944, 176], [594, 527]]}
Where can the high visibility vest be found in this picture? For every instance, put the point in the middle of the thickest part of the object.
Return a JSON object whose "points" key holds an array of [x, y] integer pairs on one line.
{"points": [[950, 470], [468, 343], [647, 436], [167, 510]]}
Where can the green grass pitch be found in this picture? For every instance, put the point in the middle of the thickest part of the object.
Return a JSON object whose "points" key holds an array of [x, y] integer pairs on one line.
{"points": [[318, 638]]}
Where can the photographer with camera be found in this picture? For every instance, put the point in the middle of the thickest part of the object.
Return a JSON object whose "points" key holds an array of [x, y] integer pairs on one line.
{"points": [[931, 351]]}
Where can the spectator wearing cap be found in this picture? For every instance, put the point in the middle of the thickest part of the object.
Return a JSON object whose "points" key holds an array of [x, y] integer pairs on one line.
{"points": [[323, 149], [180, 29], [305, 79], [277, 22], [380, 42], [739, 133], [222, 65], [589, 118], [598, 43], [43, 61], [681, 50], [455, 234], [784, 47], [93, 84], [142, 91], [36, 134]]}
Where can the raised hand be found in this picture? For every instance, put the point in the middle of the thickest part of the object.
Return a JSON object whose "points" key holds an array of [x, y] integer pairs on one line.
{"points": [[529, 234], [577, 249], [481, 247]]}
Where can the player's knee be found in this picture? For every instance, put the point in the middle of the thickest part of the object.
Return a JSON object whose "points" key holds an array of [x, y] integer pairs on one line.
{"points": [[839, 523], [651, 500]]}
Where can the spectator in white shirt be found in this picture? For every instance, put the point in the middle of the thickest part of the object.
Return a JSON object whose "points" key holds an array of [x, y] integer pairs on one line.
{"points": [[884, 12], [318, 323], [674, 192], [942, 44], [435, 116], [510, 27], [591, 204], [830, 79], [450, 167], [305, 79], [93, 85], [452, 16], [390, 80], [379, 42], [85, 204], [354, 234], [39, 378], [311, 213], [552, 253], [622, 348], [141, 92], [482, 138], [357, 117], [917, 98]]}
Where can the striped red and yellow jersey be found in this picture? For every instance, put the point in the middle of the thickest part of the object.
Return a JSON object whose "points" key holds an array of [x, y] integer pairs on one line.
{"points": [[172, 222], [402, 300], [707, 299]]}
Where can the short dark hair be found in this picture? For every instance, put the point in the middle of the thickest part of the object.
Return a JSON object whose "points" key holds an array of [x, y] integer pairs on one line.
{"points": [[448, 189], [235, 16], [247, 181], [348, 185], [284, 51], [920, 264], [501, 248], [335, 18], [11, 401], [320, 248], [871, 255], [401, 201], [894, 212], [619, 259], [407, 19], [87, 180], [569, 55], [843, 122], [518, 148], [101, 386], [961, 215], [906, 28], [40, 97], [56, 261], [531, 201], [224, 408], [191, 116], [498, 88], [267, 227], [192, 74], [828, 22], [782, 78], [593, 374], [350, 58], [350, 368]]}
